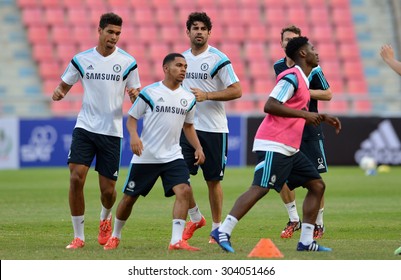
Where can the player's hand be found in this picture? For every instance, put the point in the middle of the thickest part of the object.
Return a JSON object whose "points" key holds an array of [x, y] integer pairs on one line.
{"points": [[133, 94], [387, 52], [333, 121], [136, 145], [58, 94], [199, 156], [313, 118], [199, 94]]}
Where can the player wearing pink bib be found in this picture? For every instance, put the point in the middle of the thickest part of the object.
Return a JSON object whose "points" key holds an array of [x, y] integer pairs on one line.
{"points": [[277, 143]]}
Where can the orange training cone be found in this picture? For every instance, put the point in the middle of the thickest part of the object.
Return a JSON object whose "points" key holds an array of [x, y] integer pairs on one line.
{"points": [[265, 249]]}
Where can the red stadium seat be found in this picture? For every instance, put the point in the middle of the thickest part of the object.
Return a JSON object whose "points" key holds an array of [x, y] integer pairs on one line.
{"points": [[50, 3], [54, 16], [49, 70], [349, 51], [60, 34], [78, 16], [42, 52], [147, 34], [345, 34], [143, 16], [38, 34], [256, 33], [27, 4], [65, 52], [171, 33], [165, 16], [255, 50], [33, 16]]}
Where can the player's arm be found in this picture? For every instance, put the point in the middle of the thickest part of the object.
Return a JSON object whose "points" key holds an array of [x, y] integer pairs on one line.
{"points": [[61, 91], [135, 141], [232, 92], [320, 94], [190, 134], [387, 53]]}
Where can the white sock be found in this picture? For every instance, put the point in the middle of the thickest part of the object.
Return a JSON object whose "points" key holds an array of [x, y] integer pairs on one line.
{"points": [[105, 213], [215, 225], [78, 223], [307, 234], [118, 226], [194, 214], [178, 229], [292, 211], [319, 219], [228, 225]]}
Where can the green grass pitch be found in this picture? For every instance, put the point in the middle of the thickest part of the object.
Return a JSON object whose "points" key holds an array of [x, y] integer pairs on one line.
{"points": [[362, 218]]}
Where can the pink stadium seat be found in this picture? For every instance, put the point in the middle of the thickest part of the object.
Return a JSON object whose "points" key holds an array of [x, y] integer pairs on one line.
{"points": [[137, 50], [147, 34], [227, 15], [60, 34], [338, 3], [341, 16], [275, 51], [76, 90], [259, 68], [143, 16], [54, 16], [321, 33], [163, 4], [357, 86], [84, 33], [327, 50], [318, 15], [250, 16], [244, 4], [157, 52], [255, 50], [245, 106], [27, 4], [362, 106], [38, 34], [353, 70], [73, 4], [49, 70], [234, 33], [349, 51], [297, 15], [50, 3], [273, 4], [315, 3], [186, 5], [181, 46], [228, 4], [338, 107], [256, 33], [49, 85], [65, 52], [165, 16], [32, 16], [77, 16], [126, 13], [42, 52], [345, 34], [275, 16], [65, 107], [171, 33]]}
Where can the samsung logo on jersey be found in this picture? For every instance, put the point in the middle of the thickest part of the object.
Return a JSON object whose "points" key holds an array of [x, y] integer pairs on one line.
{"points": [[102, 76], [192, 75], [169, 109]]}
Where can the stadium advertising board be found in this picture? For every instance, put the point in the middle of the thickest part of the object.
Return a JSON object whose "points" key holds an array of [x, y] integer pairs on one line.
{"points": [[9, 136], [360, 136]]}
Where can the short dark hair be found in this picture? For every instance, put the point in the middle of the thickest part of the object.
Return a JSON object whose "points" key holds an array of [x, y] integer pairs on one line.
{"points": [[170, 57], [290, 28], [110, 18], [199, 16], [294, 45]]}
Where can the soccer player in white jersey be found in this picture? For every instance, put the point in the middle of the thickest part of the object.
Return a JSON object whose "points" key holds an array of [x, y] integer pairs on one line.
{"points": [[106, 73], [211, 78], [167, 109]]}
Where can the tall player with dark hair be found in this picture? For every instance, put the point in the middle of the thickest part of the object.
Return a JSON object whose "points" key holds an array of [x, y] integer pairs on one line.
{"points": [[277, 144], [211, 78], [312, 137], [106, 73]]}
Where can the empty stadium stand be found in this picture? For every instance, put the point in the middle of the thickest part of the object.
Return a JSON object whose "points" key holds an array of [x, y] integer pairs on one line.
{"points": [[248, 31]]}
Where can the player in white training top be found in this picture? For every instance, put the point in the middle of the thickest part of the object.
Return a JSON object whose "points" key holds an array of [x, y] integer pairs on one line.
{"points": [[106, 73], [166, 108], [211, 78]]}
